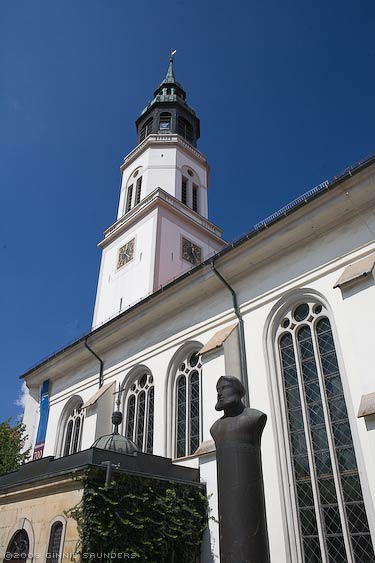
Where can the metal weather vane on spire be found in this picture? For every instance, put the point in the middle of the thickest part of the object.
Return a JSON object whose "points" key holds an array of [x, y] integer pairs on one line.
{"points": [[172, 52]]}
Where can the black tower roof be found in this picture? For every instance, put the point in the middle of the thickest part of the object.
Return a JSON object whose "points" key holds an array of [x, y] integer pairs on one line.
{"points": [[168, 112]]}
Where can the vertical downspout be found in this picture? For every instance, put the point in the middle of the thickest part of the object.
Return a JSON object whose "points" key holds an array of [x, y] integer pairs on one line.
{"points": [[100, 362], [241, 334]]}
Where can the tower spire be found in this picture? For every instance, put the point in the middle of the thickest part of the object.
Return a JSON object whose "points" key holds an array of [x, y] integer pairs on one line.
{"points": [[170, 77]]}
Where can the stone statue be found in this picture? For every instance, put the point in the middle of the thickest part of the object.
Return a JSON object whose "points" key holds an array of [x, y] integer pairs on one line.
{"points": [[242, 515]]}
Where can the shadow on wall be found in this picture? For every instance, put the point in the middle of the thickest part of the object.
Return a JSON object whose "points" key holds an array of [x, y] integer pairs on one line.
{"points": [[370, 422]]}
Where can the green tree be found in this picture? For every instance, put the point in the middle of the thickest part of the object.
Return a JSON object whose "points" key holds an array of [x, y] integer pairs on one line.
{"points": [[12, 442]]}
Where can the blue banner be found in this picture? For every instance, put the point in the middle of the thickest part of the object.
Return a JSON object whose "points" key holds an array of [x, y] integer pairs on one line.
{"points": [[43, 421]]}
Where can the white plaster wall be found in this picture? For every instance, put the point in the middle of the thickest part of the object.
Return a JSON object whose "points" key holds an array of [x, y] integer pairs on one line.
{"points": [[132, 281], [169, 261]]}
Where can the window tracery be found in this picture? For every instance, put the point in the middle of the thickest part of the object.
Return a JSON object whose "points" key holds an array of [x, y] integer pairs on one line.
{"points": [[54, 544], [73, 430], [187, 406], [328, 496], [139, 425]]}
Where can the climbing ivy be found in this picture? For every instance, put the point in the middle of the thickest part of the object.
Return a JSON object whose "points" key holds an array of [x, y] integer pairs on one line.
{"points": [[142, 519]]}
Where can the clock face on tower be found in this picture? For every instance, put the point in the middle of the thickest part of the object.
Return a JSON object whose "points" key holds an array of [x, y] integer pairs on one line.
{"points": [[126, 253], [190, 252]]}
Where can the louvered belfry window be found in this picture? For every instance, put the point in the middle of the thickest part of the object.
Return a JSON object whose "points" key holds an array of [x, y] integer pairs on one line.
{"points": [[187, 430], [139, 426], [146, 129], [328, 496]]}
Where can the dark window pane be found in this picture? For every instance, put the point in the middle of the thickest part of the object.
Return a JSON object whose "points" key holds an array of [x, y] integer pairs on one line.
{"points": [[333, 386], [323, 463], [194, 412], [316, 414], [301, 467], [342, 434], [319, 438], [336, 549], [312, 391], [332, 519], [327, 491], [312, 550], [130, 418], [150, 424], [308, 522], [290, 376], [301, 312], [299, 443], [305, 493], [54, 542], [140, 419], [293, 398], [181, 417], [77, 429], [68, 437]]}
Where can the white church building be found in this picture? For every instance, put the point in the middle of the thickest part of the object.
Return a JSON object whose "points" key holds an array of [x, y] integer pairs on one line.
{"points": [[288, 309]]}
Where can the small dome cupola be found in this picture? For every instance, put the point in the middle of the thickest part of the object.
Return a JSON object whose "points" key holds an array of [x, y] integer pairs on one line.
{"points": [[115, 442], [168, 111]]}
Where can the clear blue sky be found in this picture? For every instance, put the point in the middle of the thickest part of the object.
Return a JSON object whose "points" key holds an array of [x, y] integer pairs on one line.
{"points": [[284, 91]]}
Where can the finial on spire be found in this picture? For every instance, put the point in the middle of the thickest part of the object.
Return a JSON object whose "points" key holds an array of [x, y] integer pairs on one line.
{"points": [[172, 53]]}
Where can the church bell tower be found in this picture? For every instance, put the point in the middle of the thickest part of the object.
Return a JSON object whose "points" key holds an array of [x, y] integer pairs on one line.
{"points": [[162, 226]]}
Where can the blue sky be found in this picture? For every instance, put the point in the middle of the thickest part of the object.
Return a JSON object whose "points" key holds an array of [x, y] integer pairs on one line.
{"points": [[284, 91]]}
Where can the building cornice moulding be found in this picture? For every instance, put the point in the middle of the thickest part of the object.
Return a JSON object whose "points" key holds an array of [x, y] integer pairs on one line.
{"points": [[151, 202], [170, 140]]}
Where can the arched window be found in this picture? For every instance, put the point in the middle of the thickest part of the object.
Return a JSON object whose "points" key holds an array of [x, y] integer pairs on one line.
{"points": [[19, 547], [187, 406], [328, 499], [185, 129], [54, 544], [165, 121], [146, 129], [139, 412], [72, 423], [133, 189]]}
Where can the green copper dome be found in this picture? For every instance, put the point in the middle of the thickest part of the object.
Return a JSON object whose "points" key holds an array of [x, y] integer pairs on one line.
{"points": [[116, 442]]}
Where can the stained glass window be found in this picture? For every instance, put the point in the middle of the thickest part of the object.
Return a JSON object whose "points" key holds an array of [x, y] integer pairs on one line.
{"points": [[328, 495], [73, 432], [54, 544], [139, 406], [187, 430], [18, 548]]}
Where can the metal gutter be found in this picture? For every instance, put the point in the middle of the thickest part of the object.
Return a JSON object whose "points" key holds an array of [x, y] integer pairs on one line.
{"points": [[101, 363], [272, 219], [241, 333]]}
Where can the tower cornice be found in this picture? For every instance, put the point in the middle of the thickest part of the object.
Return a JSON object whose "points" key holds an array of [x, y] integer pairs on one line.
{"points": [[160, 197], [167, 139]]}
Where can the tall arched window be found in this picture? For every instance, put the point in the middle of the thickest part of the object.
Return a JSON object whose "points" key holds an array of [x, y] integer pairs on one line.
{"points": [[54, 544], [328, 497], [73, 424], [187, 406], [139, 412], [19, 547], [146, 129]]}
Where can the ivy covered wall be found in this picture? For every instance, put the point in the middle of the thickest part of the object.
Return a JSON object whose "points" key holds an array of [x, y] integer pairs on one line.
{"points": [[152, 520]]}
